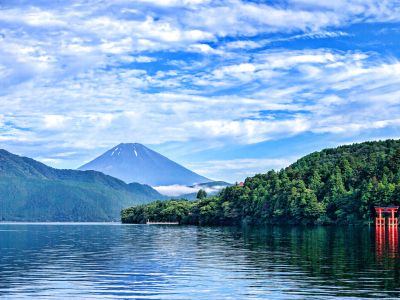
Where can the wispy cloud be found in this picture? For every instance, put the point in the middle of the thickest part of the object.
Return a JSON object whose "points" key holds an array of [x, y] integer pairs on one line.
{"points": [[179, 190], [76, 78], [238, 169]]}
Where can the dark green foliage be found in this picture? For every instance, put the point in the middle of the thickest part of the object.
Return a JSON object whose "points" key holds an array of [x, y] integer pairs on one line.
{"points": [[339, 185], [32, 191], [161, 211], [201, 194]]}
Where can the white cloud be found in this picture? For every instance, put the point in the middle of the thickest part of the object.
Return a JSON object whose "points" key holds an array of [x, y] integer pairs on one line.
{"points": [[252, 131], [184, 3], [241, 68], [143, 59], [65, 80], [54, 121], [236, 170], [204, 48], [175, 190], [178, 190], [33, 17], [243, 44], [96, 109]]}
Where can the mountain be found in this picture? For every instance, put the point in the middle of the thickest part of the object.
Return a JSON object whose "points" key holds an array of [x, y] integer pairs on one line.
{"points": [[333, 186], [32, 191], [137, 163]]}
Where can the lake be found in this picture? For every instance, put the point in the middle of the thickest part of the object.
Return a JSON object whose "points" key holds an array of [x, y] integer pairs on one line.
{"points": [[85, 261]]}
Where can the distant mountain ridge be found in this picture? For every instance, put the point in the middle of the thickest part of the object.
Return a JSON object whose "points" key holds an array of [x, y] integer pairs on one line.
{"points": [[32, 191], [133, 162]]}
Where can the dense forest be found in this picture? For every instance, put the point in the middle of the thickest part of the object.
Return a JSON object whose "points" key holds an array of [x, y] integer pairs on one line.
{"points": [[333, 186]]}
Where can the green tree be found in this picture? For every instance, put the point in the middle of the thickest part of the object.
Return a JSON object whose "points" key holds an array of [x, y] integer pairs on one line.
{"points": [[201, 194], [339, 185]]}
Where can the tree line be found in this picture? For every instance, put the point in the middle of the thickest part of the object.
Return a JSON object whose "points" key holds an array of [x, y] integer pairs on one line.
{"points": [[333, 186]]}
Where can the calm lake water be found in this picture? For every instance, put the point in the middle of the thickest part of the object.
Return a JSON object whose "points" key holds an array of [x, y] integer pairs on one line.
{"points": [[84, 261]]}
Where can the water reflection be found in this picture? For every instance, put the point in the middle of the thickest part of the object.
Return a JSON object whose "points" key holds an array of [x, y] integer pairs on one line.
{"points": [[393, 241], [380, 238], [387, 242], [173, 262]]}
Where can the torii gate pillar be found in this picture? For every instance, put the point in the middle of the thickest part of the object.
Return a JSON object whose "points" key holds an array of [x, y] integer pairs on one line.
{"points": [[379, 220], [393, 221]]}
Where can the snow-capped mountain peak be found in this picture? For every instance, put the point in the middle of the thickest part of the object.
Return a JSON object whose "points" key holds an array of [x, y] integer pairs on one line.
{"points": [[133, 162]]}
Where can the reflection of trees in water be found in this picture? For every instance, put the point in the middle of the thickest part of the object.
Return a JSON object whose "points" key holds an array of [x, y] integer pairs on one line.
{"points": [[335, 261], [337, 258]]}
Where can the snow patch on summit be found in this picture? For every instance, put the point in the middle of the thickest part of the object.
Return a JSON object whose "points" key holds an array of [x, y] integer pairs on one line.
{"points": [[132, 162], [114, 151]]}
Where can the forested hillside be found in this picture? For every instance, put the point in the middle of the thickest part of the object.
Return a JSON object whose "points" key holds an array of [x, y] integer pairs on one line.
{"points": [[32, 191], [338, 185]]}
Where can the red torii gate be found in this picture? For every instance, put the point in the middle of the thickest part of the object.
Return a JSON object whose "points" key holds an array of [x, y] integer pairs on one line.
{"points": [[380, 219]]}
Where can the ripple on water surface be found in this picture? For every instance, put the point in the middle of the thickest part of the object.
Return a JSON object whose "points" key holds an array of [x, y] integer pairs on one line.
{"points": [[177, 262]]}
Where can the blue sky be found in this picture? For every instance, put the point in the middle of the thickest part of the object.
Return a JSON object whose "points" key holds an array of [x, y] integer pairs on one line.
{"points": [[228, 88]]}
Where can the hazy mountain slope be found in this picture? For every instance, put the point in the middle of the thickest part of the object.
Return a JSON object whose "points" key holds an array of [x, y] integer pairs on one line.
{"points": [[32, 191], [137, 163]]}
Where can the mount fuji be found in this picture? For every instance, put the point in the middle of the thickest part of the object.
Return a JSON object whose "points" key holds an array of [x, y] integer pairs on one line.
{"points": [[134, 162]]}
